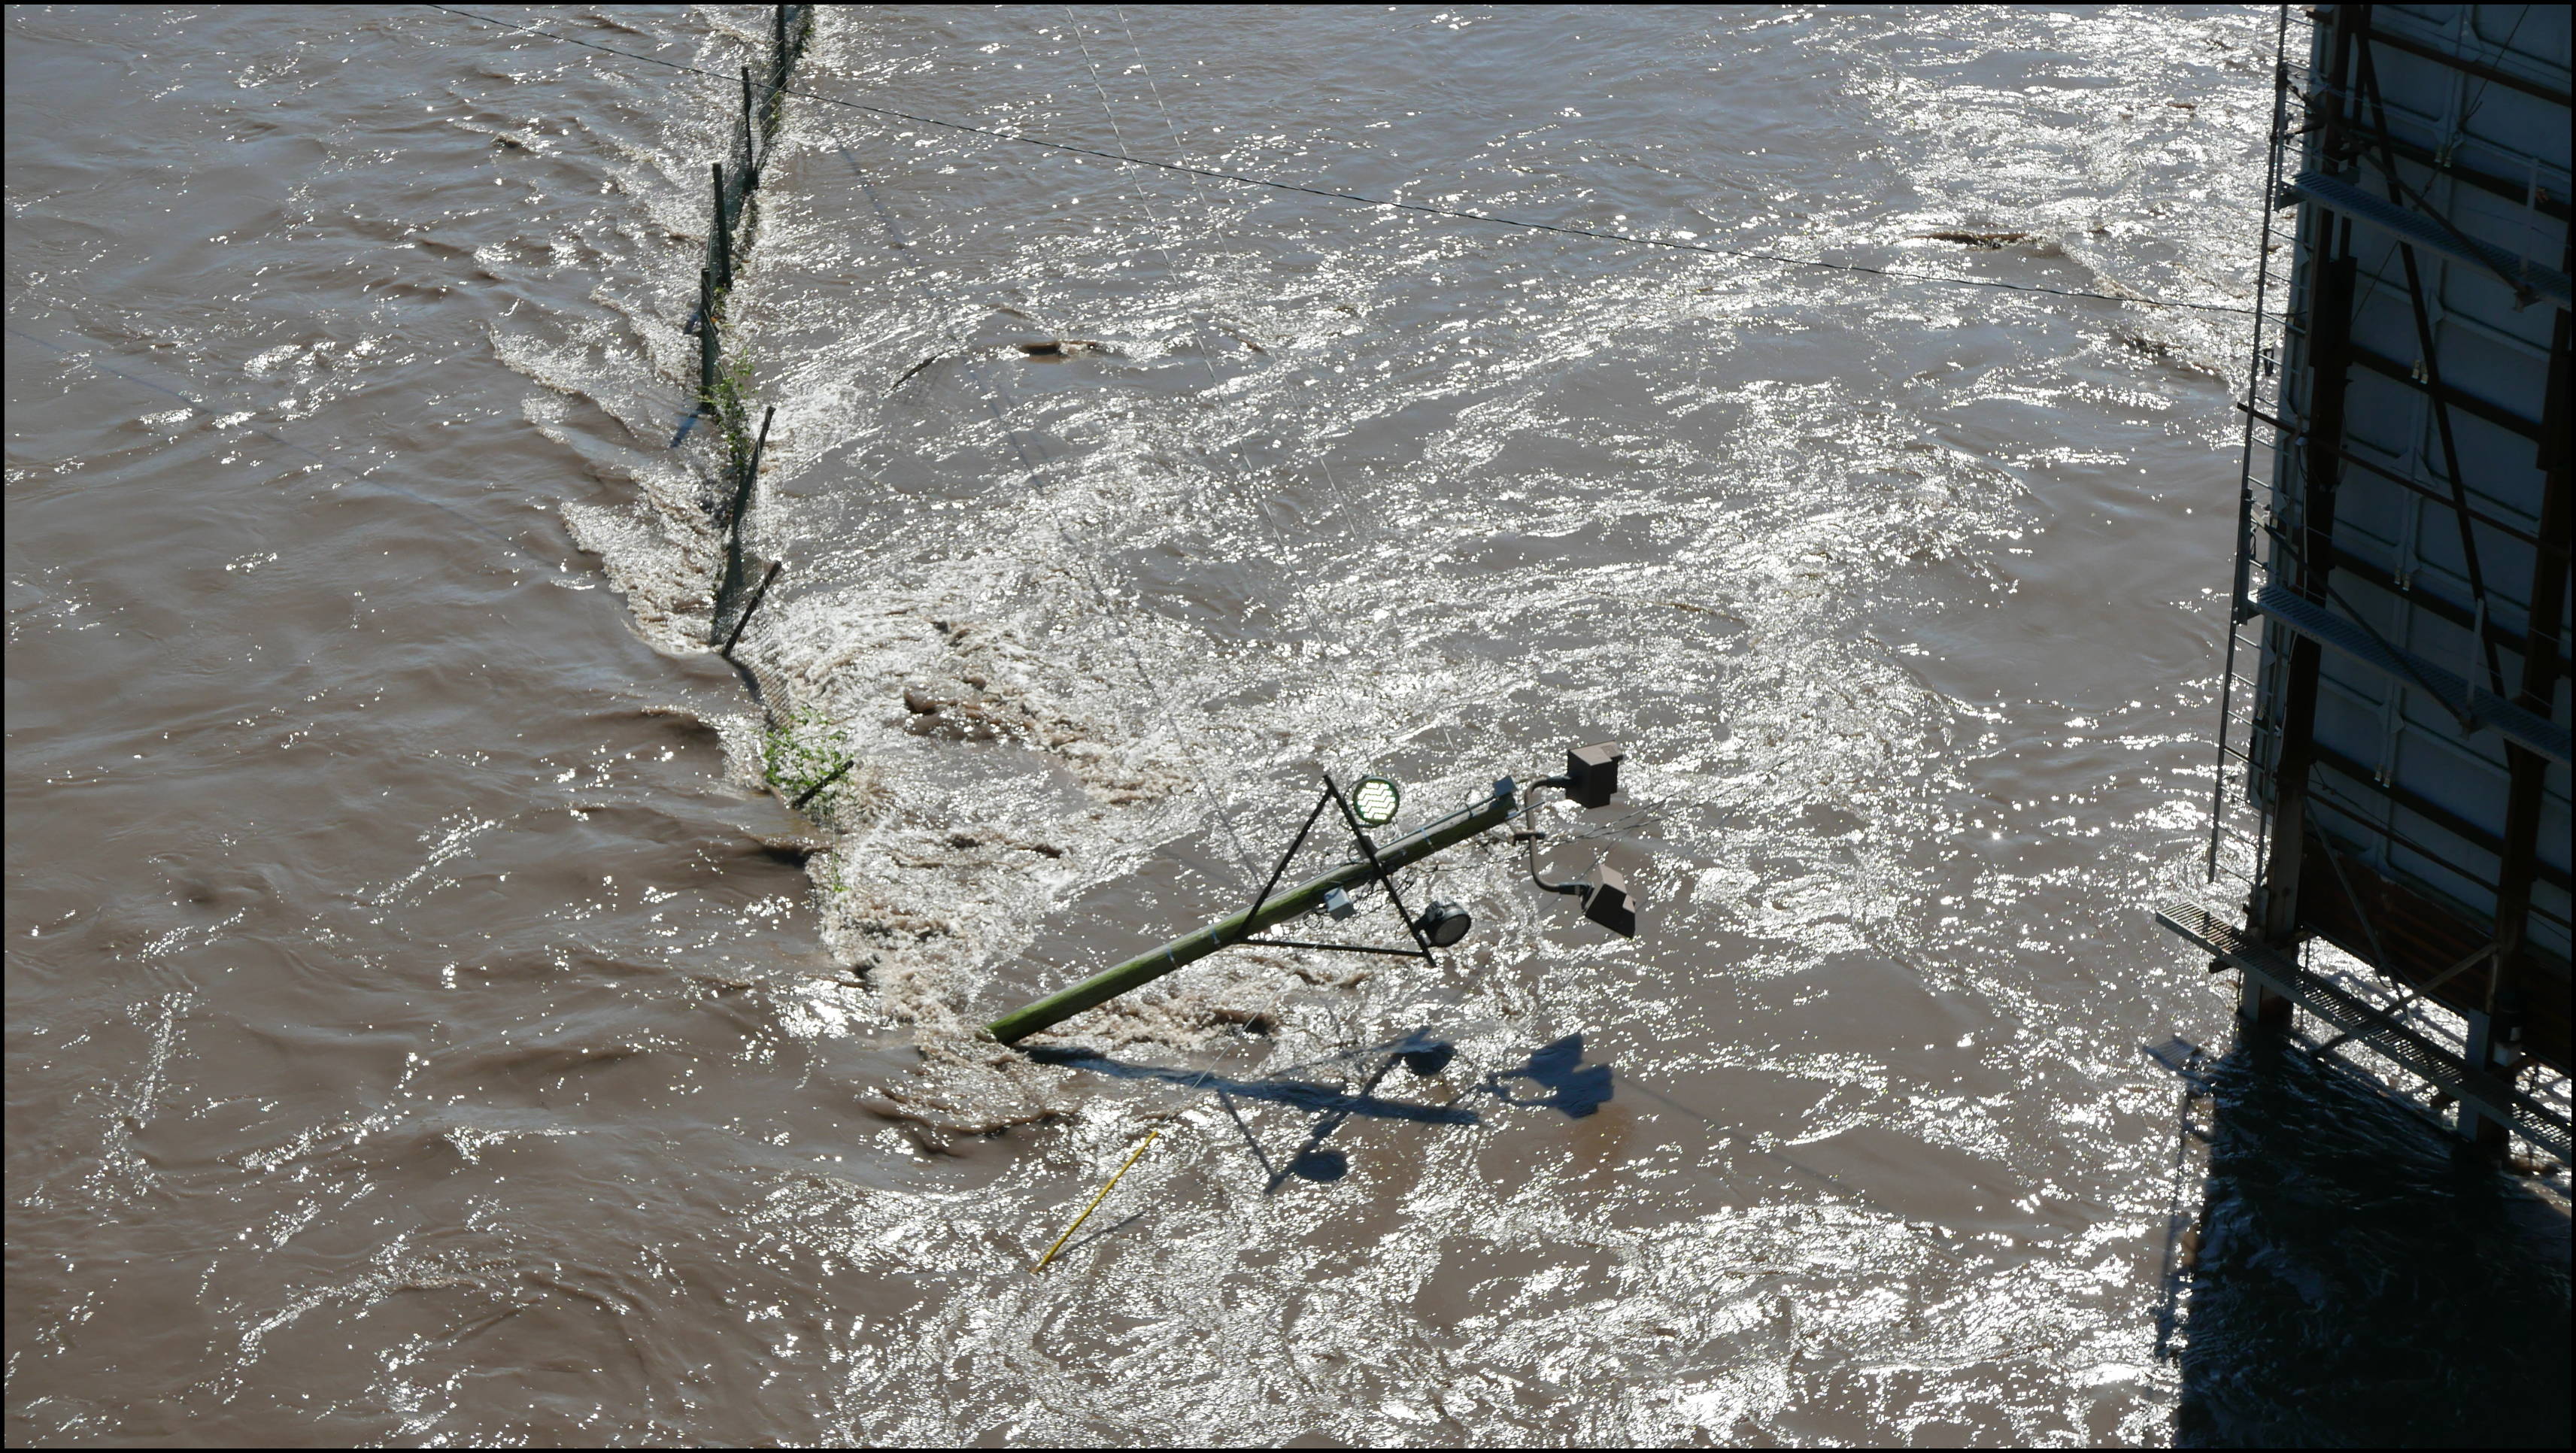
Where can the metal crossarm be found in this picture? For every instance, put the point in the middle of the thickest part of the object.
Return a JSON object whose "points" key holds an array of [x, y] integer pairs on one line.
{"points": [[2406, 225], [2475, 703], [1332, 794]]}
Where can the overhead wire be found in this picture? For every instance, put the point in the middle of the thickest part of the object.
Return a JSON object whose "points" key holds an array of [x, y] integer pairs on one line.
{"points": [[1194, 173], [2477, 96], [1170, 269], [1035, 467], [1145, 200], [1171, 133], [1275, 184]]}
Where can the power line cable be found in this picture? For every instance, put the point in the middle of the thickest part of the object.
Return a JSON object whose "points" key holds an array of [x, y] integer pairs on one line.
{"points": [[1242, 179], [1244, 853], [2478, 95], [1241, 464], [996, 395], [1242, 472]]}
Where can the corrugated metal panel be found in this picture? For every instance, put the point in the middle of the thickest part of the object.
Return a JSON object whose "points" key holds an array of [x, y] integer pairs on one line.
{"points": [[2444, 132]]}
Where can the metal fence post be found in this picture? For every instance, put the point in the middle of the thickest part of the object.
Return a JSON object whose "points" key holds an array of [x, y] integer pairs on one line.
{"points": [[721, 248], [706, 335], [743, 622], [750, 476]]}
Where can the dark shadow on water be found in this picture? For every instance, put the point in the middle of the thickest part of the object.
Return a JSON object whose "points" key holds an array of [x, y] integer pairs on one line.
{"points": [[1303, 1094], [1573, 1087], [1320, 1165], [2359, 1278], [1331, 1104]]}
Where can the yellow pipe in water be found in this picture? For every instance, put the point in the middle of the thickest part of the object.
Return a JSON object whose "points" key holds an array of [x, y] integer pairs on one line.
{"points": [[1095, 1204]]}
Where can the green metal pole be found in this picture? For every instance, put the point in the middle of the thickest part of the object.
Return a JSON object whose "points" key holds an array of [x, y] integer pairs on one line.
{"points": [[1279, 908]]}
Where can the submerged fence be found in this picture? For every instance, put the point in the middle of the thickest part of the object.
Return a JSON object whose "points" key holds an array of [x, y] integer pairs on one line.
{"points": [[722, 383]]}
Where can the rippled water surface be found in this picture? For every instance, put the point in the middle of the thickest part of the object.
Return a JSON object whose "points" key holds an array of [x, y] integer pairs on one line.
{"points": [[425, 1027]]}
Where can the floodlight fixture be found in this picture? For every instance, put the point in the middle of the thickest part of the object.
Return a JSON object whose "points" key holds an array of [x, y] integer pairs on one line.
{"points": [[1592, 773], [1591, 779], [1606, 901], [1443, 924], [1375, 800], [1339, 904]]}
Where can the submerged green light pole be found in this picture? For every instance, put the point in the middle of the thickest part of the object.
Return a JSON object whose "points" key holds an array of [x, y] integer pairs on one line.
{"points": [[1274, 909], [1591, 778]]}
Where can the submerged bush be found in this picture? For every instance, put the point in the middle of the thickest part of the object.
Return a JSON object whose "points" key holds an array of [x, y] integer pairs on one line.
{"points": [[803, 750]]}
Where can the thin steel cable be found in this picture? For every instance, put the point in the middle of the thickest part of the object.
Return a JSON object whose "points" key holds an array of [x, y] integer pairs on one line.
{"points": [[1314, 611], [1172, 136], [2245, 470], [1035, 468], [1243, 462], [1194, 173], [1144, 200], [2478, 97], [1241, 179]]}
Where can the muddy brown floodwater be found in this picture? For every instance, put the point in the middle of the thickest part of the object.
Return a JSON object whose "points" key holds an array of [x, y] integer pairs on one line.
{"points": [[426, 1028]]}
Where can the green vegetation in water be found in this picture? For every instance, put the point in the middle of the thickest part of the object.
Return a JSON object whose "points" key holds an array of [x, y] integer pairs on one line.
{"points": [[801, 750], [728, 397]]}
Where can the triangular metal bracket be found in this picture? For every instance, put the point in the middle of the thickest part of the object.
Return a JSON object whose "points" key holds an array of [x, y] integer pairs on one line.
{"points": [[1332, 794]]}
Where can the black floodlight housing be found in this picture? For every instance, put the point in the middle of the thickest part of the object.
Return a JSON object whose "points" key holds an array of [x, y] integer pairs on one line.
{"points": [[1374, 801], [1591, 777], [1592, 773], [1606, 900], [1443, 924]]}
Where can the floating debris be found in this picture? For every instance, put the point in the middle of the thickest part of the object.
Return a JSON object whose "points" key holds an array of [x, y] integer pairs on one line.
{"points": [[1063, 347], [1974, 239]]}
